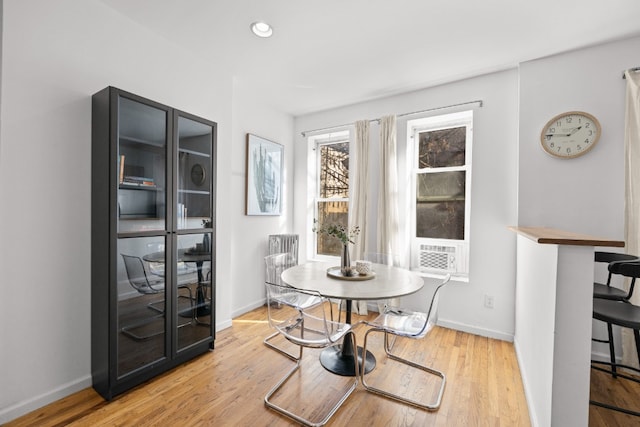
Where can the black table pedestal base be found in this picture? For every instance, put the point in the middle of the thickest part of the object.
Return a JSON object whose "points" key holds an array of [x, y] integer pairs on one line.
{"points": [[333, 359]]}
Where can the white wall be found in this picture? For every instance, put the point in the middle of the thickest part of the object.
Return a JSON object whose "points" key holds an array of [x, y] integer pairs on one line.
{"points": [[249, 245], [53, 61], [493, 204], [585, 194]]}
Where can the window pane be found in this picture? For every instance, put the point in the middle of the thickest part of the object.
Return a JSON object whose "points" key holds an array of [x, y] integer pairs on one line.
{"points": [[331, 213], [334, 170], [442, 148], [440, 205]]}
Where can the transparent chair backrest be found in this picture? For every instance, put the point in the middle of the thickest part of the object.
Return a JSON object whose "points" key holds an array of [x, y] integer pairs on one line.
{"points": [[293, 318], [285, 243], [275, 264], [432, 314], [136, 274]]}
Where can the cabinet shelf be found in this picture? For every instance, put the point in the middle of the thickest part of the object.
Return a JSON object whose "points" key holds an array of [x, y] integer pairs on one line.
{"points": [[195, 153], [137, 187], [206, 193], [126, 141]]}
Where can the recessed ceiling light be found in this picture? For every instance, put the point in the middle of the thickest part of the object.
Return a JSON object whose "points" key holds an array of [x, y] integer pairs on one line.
{"points": [[261, 29]]}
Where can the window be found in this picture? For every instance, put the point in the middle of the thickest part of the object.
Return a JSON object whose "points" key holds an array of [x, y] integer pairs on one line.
{"points": [[441, 165], [331, 201]]}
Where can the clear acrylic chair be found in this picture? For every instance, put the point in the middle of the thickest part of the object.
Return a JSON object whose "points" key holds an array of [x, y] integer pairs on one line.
{"points": [[276, 264], [397, 322], [147, 284], [305, 325]]}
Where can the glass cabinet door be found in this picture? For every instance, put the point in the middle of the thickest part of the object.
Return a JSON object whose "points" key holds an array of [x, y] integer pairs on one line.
{"points": [[193, 201], [141, 302], [194, 289], [142, 166]]}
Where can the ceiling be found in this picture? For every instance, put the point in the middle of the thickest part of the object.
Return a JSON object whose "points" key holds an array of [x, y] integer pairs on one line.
{"points": [[331, 53]]}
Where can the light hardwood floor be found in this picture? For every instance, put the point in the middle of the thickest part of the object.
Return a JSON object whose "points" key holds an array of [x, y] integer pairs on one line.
{"points": [[226, 387]]}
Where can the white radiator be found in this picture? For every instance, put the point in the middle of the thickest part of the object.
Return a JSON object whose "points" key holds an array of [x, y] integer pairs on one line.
{"points": [[278, 244], [285, 243]]}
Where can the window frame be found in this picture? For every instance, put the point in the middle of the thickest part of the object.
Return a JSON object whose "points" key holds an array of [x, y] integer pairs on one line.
{"points": [[434, 123], [315, 143]]}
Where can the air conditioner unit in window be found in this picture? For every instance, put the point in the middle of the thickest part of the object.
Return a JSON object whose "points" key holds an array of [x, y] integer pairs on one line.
{"points": [[442, 258]]}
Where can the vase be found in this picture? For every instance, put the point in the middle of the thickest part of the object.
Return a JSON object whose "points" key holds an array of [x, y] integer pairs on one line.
{"points": [[345, 261], [206, 243]]}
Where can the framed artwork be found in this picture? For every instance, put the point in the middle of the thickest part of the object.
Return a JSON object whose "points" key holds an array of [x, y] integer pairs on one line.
{"points": [[264, 176]]}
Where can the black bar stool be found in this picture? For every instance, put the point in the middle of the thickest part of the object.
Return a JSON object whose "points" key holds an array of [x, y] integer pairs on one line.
{"points": [[623, 314]]}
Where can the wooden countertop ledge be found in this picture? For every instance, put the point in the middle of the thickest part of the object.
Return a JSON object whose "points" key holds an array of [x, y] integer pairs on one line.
{"points": [[552, 236]]}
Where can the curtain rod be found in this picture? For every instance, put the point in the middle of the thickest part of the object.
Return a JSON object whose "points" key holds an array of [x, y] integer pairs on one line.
{"points": [[479, 102], [631, 70]]}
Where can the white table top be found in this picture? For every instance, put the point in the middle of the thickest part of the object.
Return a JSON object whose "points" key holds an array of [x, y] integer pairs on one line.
{"points": [[389, 282]]}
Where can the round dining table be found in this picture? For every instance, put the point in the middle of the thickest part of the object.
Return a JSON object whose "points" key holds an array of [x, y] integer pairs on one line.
{"points": [[198, 258], [386, 282]]}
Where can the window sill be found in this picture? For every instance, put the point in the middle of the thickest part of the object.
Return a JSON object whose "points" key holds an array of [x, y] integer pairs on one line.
{"points": [[464, 278]]}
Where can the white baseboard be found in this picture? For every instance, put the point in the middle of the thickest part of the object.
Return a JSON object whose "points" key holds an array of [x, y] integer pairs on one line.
{"points": [[21, 408], [502, 336], [604, 357], [223, 325], [247, 308]]}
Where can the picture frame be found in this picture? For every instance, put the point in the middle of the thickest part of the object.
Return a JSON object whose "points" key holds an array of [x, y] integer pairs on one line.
{"points": [[264, 170]]}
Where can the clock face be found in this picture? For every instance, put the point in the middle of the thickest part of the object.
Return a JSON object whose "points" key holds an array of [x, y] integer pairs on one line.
{"points": [[198, 174], [571, 134]]}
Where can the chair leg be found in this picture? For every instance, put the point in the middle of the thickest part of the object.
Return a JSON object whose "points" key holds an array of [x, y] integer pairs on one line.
{"points": [[333, 410], [129, 329], [278, 349], [615, 374], [612, 351], [636, 336], [428, 406], [389, 342]]}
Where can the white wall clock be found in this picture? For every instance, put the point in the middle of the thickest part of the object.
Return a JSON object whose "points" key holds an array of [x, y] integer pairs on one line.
{"points": [[570, 134]]}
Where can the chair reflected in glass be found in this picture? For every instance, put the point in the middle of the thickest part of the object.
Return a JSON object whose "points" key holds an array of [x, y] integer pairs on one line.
{"points": [[186, 273], [304, 321], [147, 284], [396, 322], [275, 265]]}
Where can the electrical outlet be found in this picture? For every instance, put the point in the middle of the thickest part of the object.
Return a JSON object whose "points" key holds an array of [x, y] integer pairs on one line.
{"points": [[488, 301]]}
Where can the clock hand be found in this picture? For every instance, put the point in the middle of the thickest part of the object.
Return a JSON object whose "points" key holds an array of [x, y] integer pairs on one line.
{"points": [[575, 130], [558, 134]]}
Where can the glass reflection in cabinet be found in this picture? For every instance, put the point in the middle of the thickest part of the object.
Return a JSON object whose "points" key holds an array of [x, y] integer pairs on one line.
{"points": [[142, 155], [194, 250], [141, 302], [195, 139]]}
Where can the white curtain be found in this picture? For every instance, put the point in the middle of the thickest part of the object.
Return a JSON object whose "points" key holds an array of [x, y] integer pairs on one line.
{"points": [[358, 206], [388, 228], [632, 196]]}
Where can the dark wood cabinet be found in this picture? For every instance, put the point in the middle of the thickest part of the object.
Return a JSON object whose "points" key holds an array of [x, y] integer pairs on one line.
{"points": [[152, 239]]}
